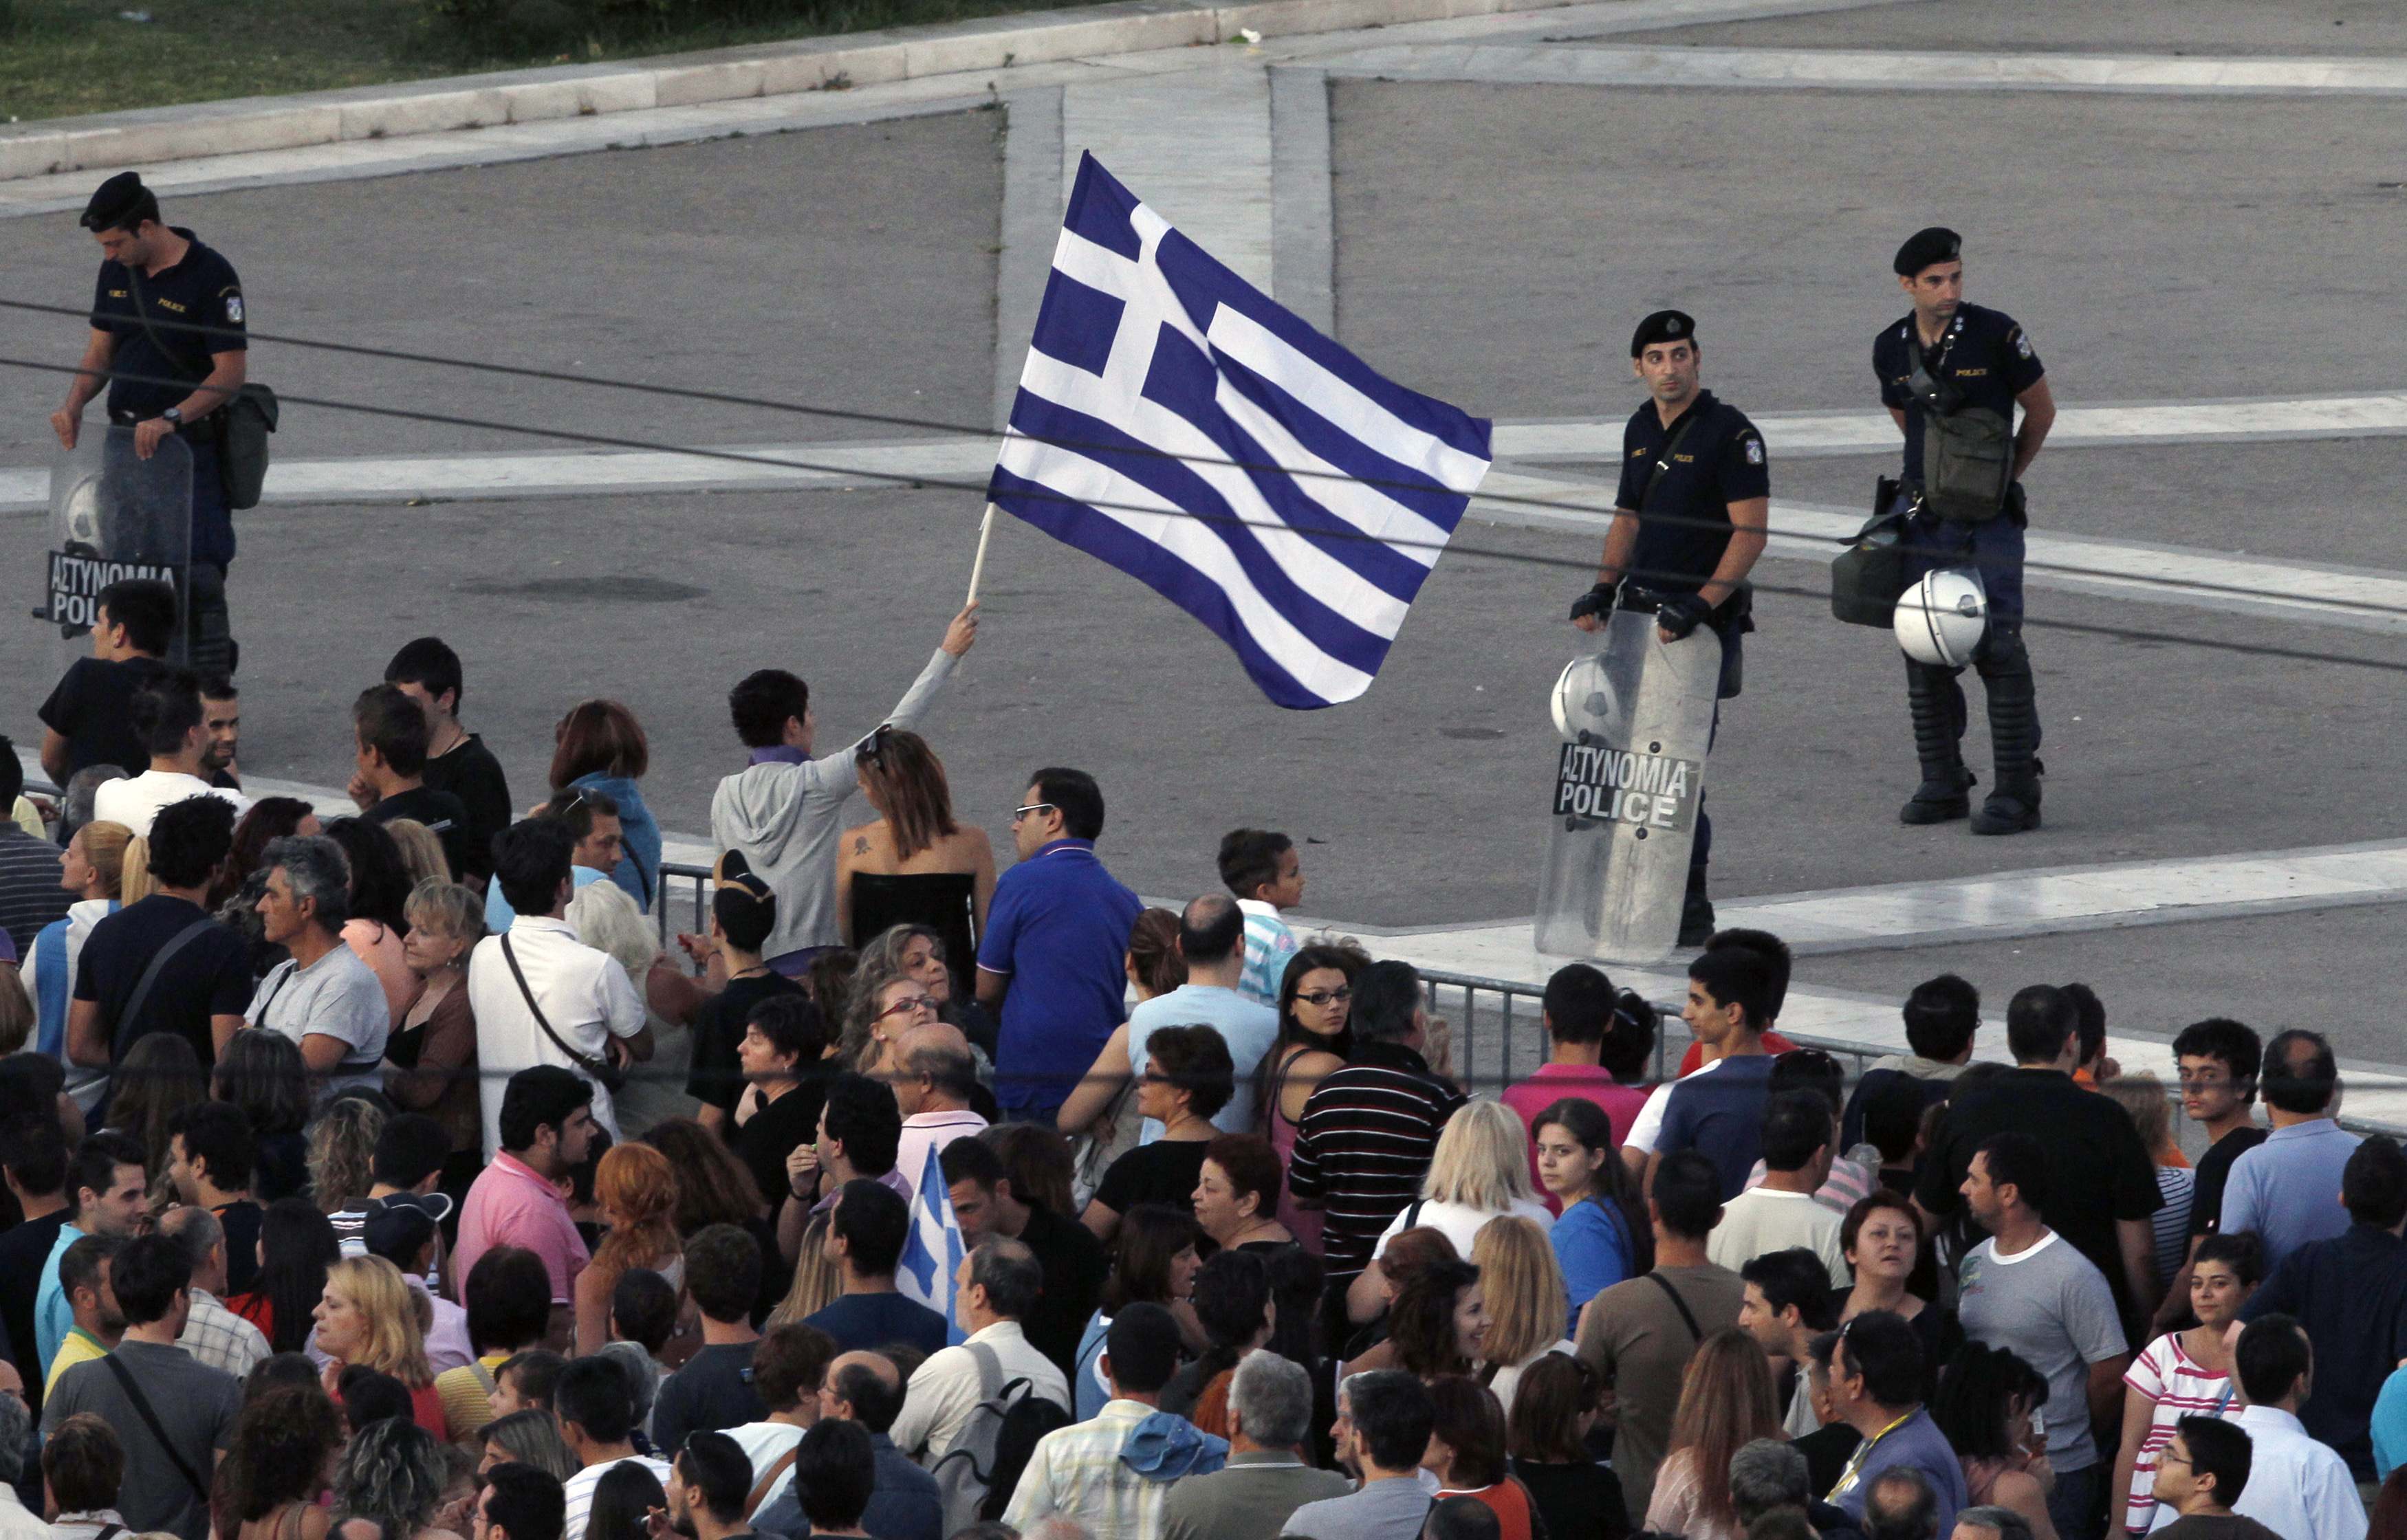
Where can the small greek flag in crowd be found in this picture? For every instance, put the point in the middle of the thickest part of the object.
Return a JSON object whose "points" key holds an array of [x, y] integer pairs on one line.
{"points": [[1175, 422], [931, 1248]]}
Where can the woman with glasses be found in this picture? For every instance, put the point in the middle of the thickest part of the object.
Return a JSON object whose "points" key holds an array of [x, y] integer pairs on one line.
{"points": [[915, 864], [1187, 1076], [1316, 997]]}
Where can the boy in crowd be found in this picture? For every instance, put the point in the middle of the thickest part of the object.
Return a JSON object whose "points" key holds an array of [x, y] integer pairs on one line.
{"points": [[1266, 874]]}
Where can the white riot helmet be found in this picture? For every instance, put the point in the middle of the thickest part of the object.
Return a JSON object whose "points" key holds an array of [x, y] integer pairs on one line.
{"points": [[1940, 620], [1585, 700]]}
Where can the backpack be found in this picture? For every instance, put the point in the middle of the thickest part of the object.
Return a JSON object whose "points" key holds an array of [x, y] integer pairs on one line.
{"points": [[975, 1477]]}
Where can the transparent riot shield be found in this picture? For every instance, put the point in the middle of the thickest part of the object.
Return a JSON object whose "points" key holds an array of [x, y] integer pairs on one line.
{"points": [[1635, 718], [115, 516]]}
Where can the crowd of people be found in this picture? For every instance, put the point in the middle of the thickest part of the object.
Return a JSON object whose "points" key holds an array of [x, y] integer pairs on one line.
{"points": [[384, 1175]]}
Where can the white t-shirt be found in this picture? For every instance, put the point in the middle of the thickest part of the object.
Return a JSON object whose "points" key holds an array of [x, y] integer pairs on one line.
{"points": [[1460, 1223], [579, 1490], [135, 800], [1648, 1125], [1764, 1219], [336, 997]]}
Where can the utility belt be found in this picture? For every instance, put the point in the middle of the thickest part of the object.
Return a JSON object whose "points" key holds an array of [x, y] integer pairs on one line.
{"points": [[1733, 616]]}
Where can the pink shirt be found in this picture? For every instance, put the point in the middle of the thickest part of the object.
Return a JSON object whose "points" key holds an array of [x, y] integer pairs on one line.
{"points": [[511, 1205], [1551, 1084], [927, 1133]]}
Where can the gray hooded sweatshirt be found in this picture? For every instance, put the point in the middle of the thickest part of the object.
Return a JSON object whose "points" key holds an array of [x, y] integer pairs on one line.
{"points": [[784, 818]]}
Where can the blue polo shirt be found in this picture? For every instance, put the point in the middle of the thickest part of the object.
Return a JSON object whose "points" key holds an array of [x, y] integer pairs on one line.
{"points": [[1058, 929], [2288, 1188]]}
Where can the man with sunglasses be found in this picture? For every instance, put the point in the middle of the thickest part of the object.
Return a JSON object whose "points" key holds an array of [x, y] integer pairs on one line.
{"points": [[1053, 962]]}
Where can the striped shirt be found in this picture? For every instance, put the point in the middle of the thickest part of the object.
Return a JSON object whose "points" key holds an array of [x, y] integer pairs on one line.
{"points": [[1269, 945], [2179, 1387], [31, 897], [1363, 1145], [2178, 1185]]}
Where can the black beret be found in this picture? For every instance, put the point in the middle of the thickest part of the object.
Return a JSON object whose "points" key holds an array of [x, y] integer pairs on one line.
{"points": [[1924, 248], [1662, 325], [113, 202]]}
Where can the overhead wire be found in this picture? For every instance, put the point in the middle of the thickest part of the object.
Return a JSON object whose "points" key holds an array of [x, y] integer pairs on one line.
{"points": [[721, 397]]}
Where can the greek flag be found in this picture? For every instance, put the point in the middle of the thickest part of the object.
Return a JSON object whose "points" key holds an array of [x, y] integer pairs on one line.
{"points": [[1175, 422], [931, 1248]]}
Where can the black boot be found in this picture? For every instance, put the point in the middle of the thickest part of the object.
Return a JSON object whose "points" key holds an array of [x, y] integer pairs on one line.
{"points": [[2006, 669], [1696, 911], [1938, 705]]}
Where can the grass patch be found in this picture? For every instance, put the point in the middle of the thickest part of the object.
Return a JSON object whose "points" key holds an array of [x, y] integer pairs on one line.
{"points": [[58, 58]]}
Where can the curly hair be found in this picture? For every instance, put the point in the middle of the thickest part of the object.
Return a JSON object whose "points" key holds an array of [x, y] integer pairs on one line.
{"points": [[637, 1187], [279, 1451], [880, 964], [342, 1148], [393, 1476]]}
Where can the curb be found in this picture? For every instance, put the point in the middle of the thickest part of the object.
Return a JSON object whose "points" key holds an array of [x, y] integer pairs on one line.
{"points": [[105, 141]]}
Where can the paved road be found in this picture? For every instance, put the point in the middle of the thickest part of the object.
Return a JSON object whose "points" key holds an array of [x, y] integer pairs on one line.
{"points": [[2240, 27]]}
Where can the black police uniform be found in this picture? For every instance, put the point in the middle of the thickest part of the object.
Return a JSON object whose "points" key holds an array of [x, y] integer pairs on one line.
{"points": [[202, 290], [1681, 477], [1990, 361]]}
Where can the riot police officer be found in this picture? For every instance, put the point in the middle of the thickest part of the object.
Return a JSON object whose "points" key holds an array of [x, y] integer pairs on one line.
{"points": [[169, 378], [1688, 524], [1952, 374]]}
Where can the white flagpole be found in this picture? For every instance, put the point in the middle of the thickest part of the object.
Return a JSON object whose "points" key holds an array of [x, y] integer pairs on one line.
{"points": [[977, 568]]}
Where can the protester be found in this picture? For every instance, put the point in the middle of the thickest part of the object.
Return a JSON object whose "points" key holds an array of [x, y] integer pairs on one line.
{"points": [[2142, 1098], [1315, 1003], [598, 747], [624, 1500], [2048, 1305], [1726, 1401], [1580, 1010], [780, 1053], [1234, 1306], [342, 1154], [2184, 1373], [1114, 1472], [105, 1189], [743, 912], [934, 1077], [1601, 1235], [2296, 1485], [92, 873], [1477, 1174], [546, 1122], [1719, 1110], [1237, 1191], [1782, 1212], [262, 1076], [1188, 1076], [528, 1437], [430, 1058], [1881, 1239], [1876, 1375], [1522, 1293], [866, 1232], [2100, 1181], [366, 1319], [1828, 1449], [97, 1322], [284, 1446], [2282, 1189], [1942, 1017], [1985, 1406], [83, 1465], [34, 1165], [905, 1503], [88, 719], [541, 995], [1052, 961], [988, 1200], [2218, 1061], [635, 1188], [599, 846], [1551, 1415], [1384, 1423], [166, 713], [296, 1247], [1368, 1130], [915, 864], [1439, 1321], [508, 1297], [1788, 1301], [393, 1476], [597, 1417], [2205, 1472], [1153, 1261], [1263, 1482], [379, 887], [394, 736], [1640, 1333], [457, 760], [213, 1334], [199, 989], [31, 895], [157, 1080], [714, 1389], [995, 1286]]}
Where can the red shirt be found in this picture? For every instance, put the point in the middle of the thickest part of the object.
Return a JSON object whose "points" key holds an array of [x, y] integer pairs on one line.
{"points": [[1555, 1081], [1508, 1501], [1773, 1043]]}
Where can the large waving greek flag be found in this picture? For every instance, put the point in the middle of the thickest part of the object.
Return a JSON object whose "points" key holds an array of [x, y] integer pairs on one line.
{"points": [[1175, 422]]}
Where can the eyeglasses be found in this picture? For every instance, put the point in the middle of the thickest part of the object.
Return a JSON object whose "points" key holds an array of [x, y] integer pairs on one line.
{"points": [[2167, 1457], [908, 1002], [1319, 997], [1018, 814]]}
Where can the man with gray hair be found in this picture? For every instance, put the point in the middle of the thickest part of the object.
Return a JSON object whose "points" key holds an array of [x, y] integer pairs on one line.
{"points": [[212, 1334], [1764, 1475], [1270, 1412], [17, 1522], [1991, 1523], [321, 997], [996, 1285]]}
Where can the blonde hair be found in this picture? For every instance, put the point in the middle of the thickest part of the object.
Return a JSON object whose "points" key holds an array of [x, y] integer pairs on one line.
{"points": [[104, 847], [395, 1345], [2141, 1097], [818, 1280], [342, 1147], [1527, 1303], [1482, 1160], [439, 904], [421, 853], [133, 880]]}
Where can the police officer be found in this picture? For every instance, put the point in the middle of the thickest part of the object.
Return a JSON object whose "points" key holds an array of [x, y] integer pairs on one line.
{"points": [[1946, 365], [1687, 525], [180, 380]]}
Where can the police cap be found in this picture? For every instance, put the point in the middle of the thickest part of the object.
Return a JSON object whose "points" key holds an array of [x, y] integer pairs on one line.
{"points": [[1663, 326], [120, 203], [1927, 248]]}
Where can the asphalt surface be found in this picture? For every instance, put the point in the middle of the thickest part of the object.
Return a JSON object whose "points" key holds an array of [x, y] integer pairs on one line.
{"points": [[847, 266], [2242, 27]]}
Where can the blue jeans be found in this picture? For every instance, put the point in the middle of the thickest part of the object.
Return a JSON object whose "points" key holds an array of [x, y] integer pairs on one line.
{"points": [[1994, 549]]}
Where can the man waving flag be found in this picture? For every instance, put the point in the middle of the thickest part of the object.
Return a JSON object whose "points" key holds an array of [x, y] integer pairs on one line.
{"points": [[1175, 422]]}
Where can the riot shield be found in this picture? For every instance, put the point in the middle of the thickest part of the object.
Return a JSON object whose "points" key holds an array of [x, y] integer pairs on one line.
{"points": [[114, 517], [1637, 718]]}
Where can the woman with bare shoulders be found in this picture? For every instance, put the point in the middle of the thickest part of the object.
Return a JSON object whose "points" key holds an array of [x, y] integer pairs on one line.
{"points": [[916, 865], [1316, 994]]}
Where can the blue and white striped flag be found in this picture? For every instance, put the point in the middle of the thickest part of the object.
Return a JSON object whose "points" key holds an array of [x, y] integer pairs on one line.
{"points": [[931, 1248], [1175, 422]]}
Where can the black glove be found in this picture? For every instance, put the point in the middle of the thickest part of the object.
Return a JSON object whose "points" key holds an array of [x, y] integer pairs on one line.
{"points": [[1597, 601], [2016, 508], [1683, 614]]}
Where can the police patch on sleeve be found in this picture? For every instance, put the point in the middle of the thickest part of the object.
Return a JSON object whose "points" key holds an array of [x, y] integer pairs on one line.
{"points": [[1754, 450], [2022, 344], [234, 309]]}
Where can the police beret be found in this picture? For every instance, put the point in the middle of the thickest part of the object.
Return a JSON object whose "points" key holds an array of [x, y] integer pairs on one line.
{"points": [[1662, 325], [115, 200], [1924, 247]]}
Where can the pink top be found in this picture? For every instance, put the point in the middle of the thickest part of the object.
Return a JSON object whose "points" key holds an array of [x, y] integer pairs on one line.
{"points": [[1302, 1224], [378, 945], [2181, 1387], [511, 1205], [1551, 1084]]}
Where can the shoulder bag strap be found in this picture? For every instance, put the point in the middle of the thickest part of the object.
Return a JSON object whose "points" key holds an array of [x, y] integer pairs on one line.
{"points": [[142, 314], [1695, 1332], [132, 1389], [582, 1061], [1663, 460], [141, 995], [484, 1376], [761, 1488]]}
